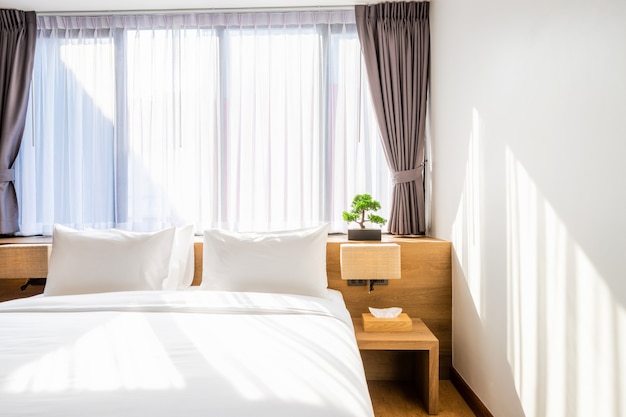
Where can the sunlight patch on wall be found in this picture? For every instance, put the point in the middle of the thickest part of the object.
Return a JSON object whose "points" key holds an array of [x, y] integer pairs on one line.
{"points": [[466, 229], [565, 328]]}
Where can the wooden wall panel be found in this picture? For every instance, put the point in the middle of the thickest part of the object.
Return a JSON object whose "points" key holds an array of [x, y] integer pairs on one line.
{"points": [[10, 289], [18, 262], [424, 291], [24, 261]]}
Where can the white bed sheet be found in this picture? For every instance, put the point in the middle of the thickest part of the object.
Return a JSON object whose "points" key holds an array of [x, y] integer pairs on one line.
{"points": [[180, 353]]}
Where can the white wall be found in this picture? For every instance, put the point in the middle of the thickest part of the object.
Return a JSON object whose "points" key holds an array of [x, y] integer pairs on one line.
{"points": [[529, 183]]}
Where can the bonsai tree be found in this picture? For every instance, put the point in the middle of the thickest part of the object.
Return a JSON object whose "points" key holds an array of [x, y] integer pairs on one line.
{"points": [[361, 204]]}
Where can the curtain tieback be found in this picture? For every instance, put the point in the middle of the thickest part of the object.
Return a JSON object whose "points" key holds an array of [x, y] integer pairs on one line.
{"points": [[409, 175], [7, 175]]}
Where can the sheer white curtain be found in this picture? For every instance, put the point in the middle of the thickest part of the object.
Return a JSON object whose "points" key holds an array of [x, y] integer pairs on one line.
{"points": [[65, 169], [245, 121]]}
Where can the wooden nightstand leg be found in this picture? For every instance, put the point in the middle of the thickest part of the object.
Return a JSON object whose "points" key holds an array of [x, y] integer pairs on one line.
{"points": [[427, 378], [433, 380]]}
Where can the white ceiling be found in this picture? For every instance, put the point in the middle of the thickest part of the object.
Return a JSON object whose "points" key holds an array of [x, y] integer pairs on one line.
{"points": [[117, 5]]}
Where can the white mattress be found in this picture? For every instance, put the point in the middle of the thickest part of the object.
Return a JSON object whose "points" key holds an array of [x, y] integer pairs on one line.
{"points": [[180, 353]]}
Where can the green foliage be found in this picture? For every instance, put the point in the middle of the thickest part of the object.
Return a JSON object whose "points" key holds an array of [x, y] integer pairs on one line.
{"points": [[361, 204]]}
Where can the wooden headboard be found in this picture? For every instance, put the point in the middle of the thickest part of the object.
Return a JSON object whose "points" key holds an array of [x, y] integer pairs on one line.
{"points": [[424, 290]]}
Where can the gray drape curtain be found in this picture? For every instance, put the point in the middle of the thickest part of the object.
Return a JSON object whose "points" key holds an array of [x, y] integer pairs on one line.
{"points": [[395, 42], [18, 32]]}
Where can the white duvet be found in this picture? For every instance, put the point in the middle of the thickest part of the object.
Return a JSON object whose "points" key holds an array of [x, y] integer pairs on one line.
{"points": [[180, 353]]}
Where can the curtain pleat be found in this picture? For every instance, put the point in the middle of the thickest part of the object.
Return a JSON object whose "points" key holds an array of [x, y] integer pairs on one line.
{"points": [[18, 30], [395, 42]]}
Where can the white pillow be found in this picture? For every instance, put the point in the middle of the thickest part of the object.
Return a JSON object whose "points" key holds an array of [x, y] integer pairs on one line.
{"points": [[109, 260], [182, 260], [182, 267], [292, 262]]}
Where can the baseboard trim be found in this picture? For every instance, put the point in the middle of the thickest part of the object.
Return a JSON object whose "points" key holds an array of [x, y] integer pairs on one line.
{"points": [[472, 400]]}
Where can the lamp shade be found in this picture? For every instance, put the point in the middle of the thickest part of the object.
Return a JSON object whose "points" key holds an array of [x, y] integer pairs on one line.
{"points": [[370, 261]]}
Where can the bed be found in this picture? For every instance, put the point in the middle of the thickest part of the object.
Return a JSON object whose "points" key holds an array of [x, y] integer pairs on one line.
{"points": [[255, 339]]}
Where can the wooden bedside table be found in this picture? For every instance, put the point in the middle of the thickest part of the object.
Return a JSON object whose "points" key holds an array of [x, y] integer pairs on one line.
{"points": [[420, 338]]}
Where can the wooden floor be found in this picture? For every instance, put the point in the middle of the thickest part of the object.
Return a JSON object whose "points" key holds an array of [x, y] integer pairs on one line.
{"points": [[396, 399]]}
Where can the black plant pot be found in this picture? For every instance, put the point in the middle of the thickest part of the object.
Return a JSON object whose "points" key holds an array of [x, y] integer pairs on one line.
{"points": [[363, 234]]}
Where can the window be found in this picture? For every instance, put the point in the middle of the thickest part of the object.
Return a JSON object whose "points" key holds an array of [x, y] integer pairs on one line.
{"points": [[245, 121]]}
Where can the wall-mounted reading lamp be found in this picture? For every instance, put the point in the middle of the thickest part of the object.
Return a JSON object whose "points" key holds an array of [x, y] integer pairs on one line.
{"points": [[376, 263]]}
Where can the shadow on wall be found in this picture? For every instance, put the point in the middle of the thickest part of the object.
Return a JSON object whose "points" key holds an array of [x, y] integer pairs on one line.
{"points": [[566, 328], [479, 326], [552, 320], [470, 353]]}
